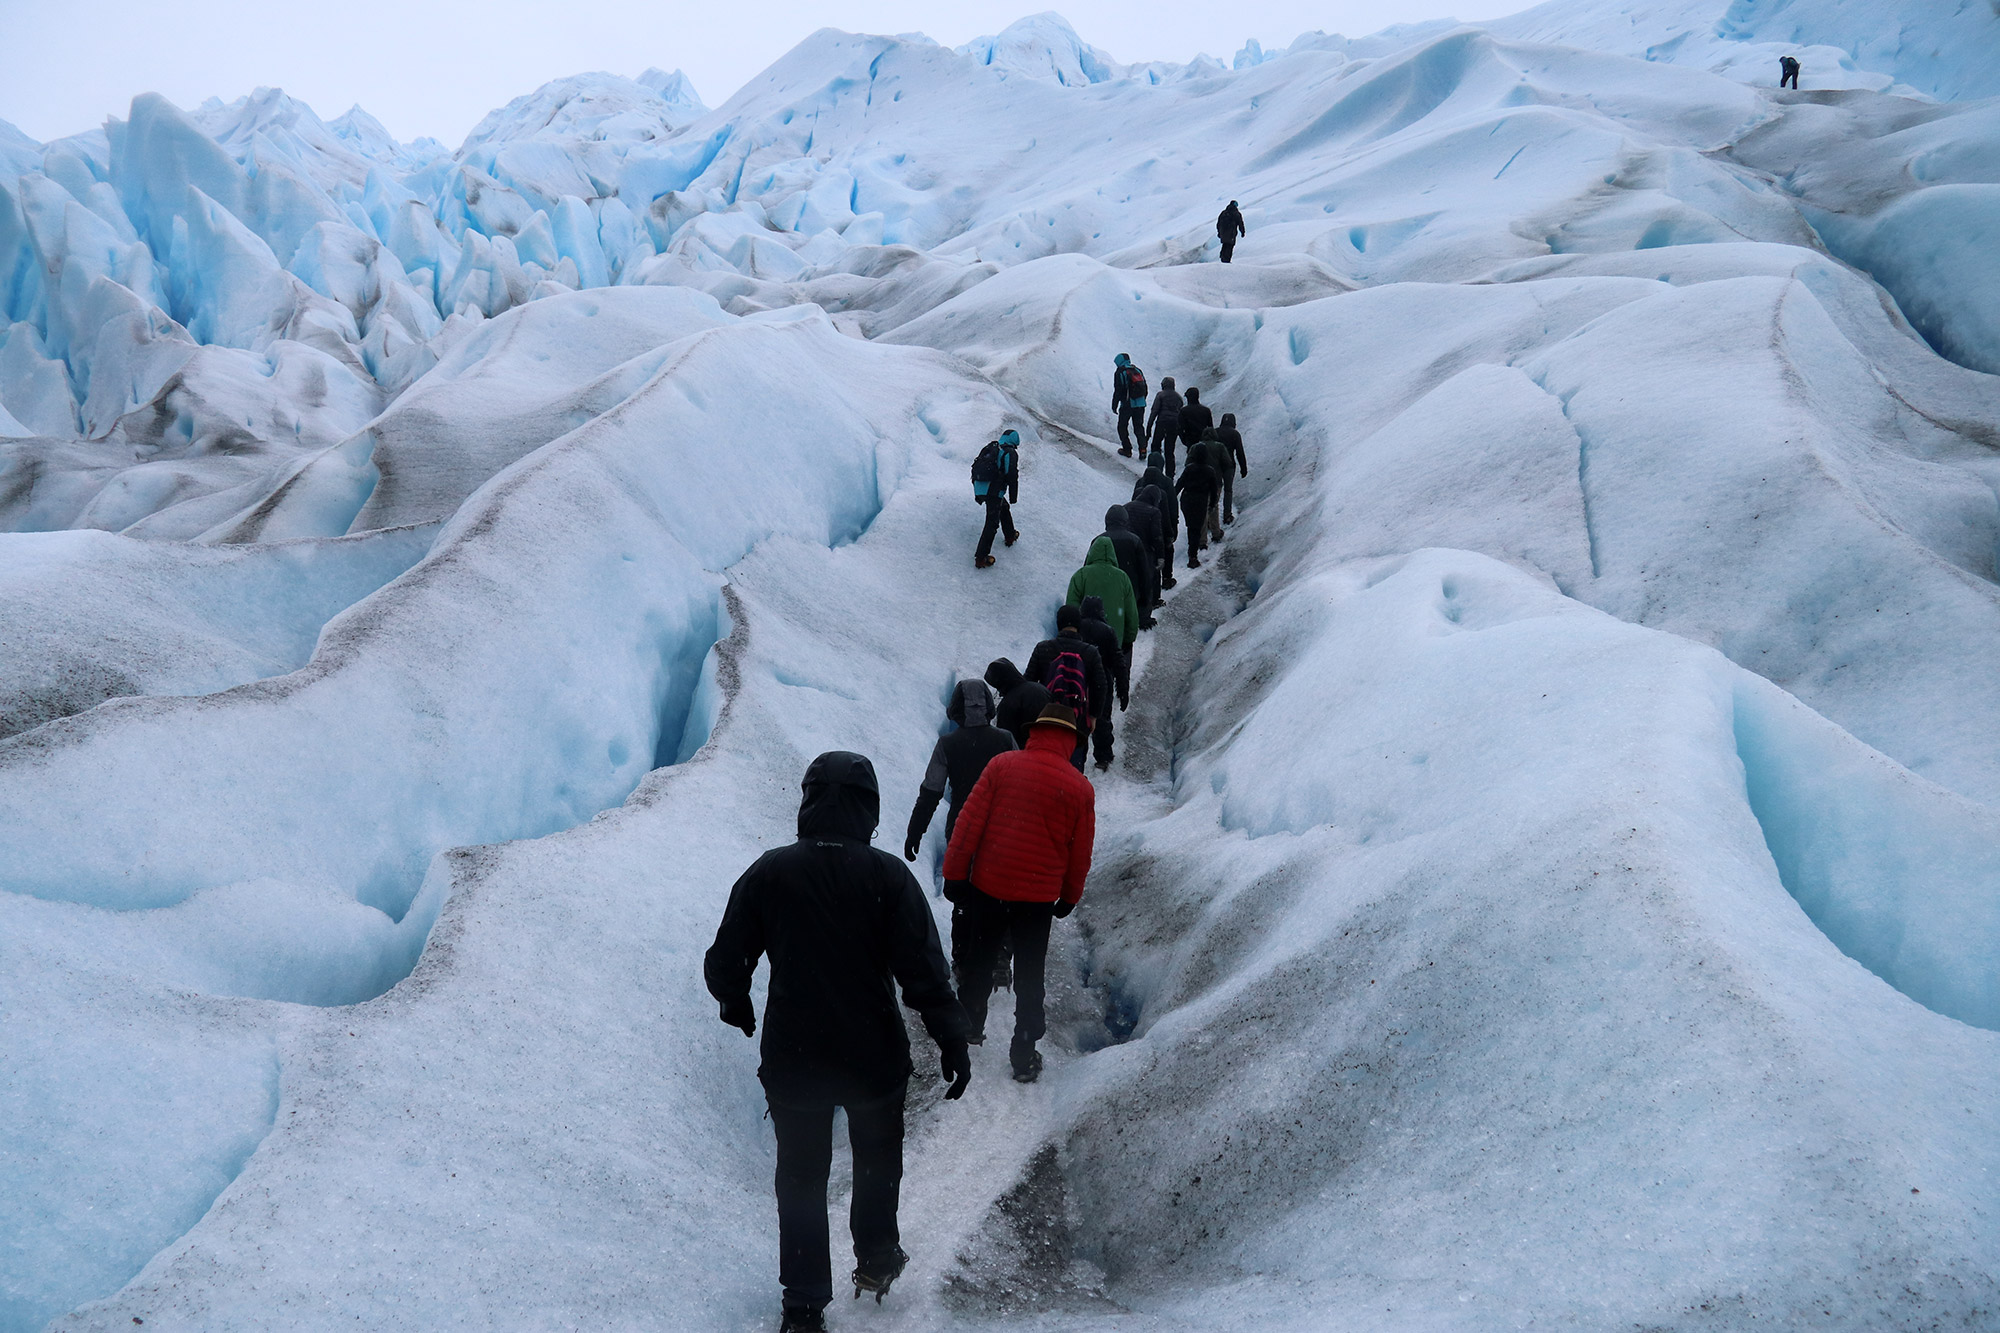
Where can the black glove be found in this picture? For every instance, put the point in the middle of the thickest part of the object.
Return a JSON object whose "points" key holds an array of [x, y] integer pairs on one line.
{"points": [[957, 891], [957, 1062], [741, 1014], [1061, 909], [910, 846]]}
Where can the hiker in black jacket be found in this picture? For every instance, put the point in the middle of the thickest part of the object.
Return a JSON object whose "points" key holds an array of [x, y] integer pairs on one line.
{"points": [[843, 924], [1228, 226], [1136, 560], [1102, 637], [1095, 673], [998, 492], [1021, 700], [1196, 419], [1232, 440], [1162, 500], [1788, 72], [1142, 515], [1164, 427], [1199, 486], [1128, 400], [957, 760], [1210, 452]]}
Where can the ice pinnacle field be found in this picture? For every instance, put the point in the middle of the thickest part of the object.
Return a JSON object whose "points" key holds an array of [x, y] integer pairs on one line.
{"points": [[1551, 876]]}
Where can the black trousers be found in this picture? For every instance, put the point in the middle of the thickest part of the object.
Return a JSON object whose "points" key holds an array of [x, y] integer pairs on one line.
{"points": [[1131, 416], [1228, 247], [1229, 492], [1166, 434], [1792, 78], [805, 1156], [999, 514], [986, 923], [1194, 517], [1100, 736]]}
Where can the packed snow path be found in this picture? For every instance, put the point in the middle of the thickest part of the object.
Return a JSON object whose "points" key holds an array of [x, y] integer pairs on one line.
{"points": [[1551, 874]]}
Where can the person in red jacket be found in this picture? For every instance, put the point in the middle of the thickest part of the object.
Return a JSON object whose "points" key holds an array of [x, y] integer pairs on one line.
{"points": [[1017, 859]]}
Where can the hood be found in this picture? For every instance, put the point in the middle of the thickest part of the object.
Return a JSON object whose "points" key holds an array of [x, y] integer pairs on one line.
{"points": [[1093, 608], [1067, 617], [1117, 520], [1167, 383], [971, 704], [841, 798], [1121, 360], [1010, 438], [1229, 420], [1003, 675], [1155, 497], [1102, 552], [1208, 433], [1193, 394]]}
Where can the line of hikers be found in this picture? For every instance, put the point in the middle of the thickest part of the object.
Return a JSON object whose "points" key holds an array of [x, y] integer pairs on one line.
{"points": [[844, 924]]}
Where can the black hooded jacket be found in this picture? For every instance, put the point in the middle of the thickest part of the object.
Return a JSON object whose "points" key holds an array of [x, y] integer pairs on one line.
{"points": [[1195, 417], [1156, 477], [1229, 223], [1143, 516], [1021, 700], [1135, 558], [1069, 620], [1105, 639], [843, 924], [957, 760], [1232, 439]]}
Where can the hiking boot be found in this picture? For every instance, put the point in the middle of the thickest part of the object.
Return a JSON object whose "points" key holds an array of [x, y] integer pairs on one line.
{"points": [[1027, 1062], [1167, 582], [1193, 563], [1124, 453], [1229, 518], [803, 1319], [983, 562], [1104, 765], [879, 1275], [1003, 974], [1013, 537]]}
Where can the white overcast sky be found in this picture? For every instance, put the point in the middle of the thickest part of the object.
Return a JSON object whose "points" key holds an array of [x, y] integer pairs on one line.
{"points": [[433, 67]]}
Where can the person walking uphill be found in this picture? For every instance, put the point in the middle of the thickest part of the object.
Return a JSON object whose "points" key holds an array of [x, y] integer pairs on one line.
{"points": [[1788, 72], [1235, 461], [1196, 419], [1017, 860], [1102, 576], [1165, 425], [1095, 699], [996, 483], [1128, 400], [1213, 454], [957, 760], [1118, 662], [1228, 226], [843, 924], [1135, 557], [1198, 488]]}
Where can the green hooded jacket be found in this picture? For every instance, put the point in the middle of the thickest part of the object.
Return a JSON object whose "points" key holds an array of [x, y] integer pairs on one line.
{"points": [[1101, 577]]}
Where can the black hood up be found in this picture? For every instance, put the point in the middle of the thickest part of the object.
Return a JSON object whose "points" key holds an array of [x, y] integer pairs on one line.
{"points": [[1116, 519], [1067, 617], [1193, 394], [1003, 675], [1154, 496], [841, 798], [1092, 608], [1228, 420]]}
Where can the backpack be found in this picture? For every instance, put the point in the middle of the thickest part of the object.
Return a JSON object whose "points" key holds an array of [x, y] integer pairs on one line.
{"points": [[986, 469], [1135, 384], [1067, 685]]}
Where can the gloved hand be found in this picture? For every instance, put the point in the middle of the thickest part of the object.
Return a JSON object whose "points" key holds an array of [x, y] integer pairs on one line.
{"points": [[957, 1062], [910, 845], [957, 891], [740, 1014], [1062, 909]]}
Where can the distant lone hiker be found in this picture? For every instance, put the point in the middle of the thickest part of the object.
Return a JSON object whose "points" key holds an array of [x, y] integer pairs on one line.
{"points": [[1788, 72], [1128, 400], [842, 923], [1228, 226], [996, 483]]}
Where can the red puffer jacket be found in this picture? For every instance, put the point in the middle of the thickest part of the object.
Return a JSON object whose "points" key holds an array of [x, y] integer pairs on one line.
{"points": [[1025, 832]]}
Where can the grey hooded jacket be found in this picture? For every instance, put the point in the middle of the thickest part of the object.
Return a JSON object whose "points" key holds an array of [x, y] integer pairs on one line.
{"points": [[957, 760]]}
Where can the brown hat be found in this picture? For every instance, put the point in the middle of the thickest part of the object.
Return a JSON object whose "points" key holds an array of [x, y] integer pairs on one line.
{"points": [[1057, 715]]}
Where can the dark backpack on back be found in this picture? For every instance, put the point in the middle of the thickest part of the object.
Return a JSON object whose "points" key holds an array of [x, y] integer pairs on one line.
{"points": [[986, 469], [1066, 682]]}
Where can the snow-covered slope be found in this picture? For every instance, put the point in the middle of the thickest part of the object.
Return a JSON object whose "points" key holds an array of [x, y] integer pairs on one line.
{"points": [[1551, 872]]}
